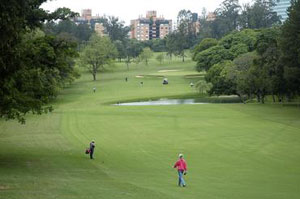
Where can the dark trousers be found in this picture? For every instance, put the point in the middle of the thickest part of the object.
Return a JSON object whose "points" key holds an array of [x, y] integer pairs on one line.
{"points": [[91, 153]]}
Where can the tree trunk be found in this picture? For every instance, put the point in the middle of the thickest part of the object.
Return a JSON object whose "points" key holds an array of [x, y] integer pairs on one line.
{"points": [[183, 58], [258, 97], [262, 97], [273, 98], [241, 98], [94, 72]]}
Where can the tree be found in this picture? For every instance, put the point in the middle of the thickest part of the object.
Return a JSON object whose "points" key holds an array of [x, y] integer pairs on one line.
{"points": [[187, 28], [133, 50], [203, 86], [27, 66], [158, 45], [121, 49], [240, 74], [212, 56], [80, 32], [216, 75], [115, 28], [99, 52], [228, 48], [176, 44], [246, 36], [160, 58], [203, 45], [146, 55], [271, 72], [290, 47], [226, 18], [259, 15]]}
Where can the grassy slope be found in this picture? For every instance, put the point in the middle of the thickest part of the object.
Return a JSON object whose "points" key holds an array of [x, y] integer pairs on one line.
{"points": [[233, 150]]}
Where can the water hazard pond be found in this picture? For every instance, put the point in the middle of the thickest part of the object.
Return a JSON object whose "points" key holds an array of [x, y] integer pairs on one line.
{"points": [[174, 102]]}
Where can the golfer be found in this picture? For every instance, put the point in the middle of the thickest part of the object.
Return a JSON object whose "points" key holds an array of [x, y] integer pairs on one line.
{"points": [[92, 148], [182, 170]]}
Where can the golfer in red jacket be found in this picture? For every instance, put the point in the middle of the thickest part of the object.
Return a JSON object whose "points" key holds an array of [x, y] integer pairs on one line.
{"points": [[182, 170]]}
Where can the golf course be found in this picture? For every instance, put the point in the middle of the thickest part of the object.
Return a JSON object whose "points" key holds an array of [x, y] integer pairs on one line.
{"points": [[232, 150]]}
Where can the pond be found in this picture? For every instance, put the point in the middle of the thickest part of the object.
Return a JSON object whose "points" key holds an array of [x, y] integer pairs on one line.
{"points": [[165, 101], [161, 102]]}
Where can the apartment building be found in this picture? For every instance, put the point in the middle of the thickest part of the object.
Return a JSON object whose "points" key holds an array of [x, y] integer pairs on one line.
{"points": [[150, 27], [100, 29], [86, 17]]}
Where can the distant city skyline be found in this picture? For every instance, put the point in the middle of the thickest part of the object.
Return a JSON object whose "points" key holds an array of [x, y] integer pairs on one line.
{"points": [[127, 10]]}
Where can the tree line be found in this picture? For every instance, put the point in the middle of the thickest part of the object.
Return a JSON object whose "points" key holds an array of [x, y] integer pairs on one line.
{"points": [[254, 62]]}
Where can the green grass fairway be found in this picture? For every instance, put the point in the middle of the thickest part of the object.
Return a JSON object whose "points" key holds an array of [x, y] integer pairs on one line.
{"points": [[233, 151]]}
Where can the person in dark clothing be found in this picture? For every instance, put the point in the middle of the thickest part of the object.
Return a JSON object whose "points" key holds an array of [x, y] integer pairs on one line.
{"points": [[92, 148]]}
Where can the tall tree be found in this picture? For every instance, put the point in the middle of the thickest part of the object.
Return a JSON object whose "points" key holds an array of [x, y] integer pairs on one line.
{"points": [[187, 27], [226, 18], [259, 15], [176, 44], [99, 52], [203, 45], [146, 55], [24, 64], [115, 28], [133, 50], [290, 47], [80, 32]]}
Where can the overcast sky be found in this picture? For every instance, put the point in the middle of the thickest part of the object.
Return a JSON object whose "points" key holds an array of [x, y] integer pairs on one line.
{"points": [[131, 9]]}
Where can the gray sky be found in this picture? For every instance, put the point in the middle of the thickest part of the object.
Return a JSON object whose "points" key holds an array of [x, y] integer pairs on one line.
{"points": [[131, 9]]}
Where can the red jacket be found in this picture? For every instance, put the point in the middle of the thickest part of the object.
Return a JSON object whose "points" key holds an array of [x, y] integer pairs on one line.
{"points": [[181, 165]]}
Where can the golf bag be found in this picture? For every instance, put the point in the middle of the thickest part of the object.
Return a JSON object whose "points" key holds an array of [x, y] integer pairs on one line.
{"points": [[87, 151]]}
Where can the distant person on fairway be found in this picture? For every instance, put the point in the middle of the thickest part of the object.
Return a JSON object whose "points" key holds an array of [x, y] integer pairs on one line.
{"points": [[182, 170], [94, 89], [92, 148]]}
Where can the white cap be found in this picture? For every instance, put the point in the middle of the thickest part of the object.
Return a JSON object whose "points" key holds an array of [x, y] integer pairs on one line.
{"points": [[180, 155]]}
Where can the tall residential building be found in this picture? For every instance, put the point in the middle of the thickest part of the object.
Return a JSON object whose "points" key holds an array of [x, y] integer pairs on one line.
{"points": [[211, 16], [86, 14], [100, 29], [195, 23], [94, 22], [281, 8], [150, 27]]}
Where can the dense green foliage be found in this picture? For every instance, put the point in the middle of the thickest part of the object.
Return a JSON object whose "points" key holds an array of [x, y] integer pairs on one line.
{"points": [[160, 58], [290, 47], [272, 68], [145, 55], [116, 29], [98, 52], [228, 48], [203, 45], [259, 15], [81, 32], [231, 16], [32, 67]]}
